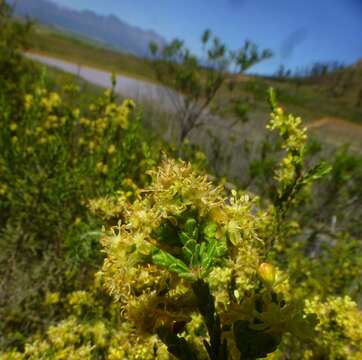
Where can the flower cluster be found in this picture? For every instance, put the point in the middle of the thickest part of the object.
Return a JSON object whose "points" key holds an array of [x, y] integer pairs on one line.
{"points": [[182, 232], [91, 330]]}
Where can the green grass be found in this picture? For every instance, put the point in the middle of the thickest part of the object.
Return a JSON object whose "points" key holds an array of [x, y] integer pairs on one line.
{"points": [[309, 100], [77, 49]]}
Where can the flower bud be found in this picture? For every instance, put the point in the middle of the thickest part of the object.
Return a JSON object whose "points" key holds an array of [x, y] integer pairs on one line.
{"points": [[267, 274], [279, 111]]}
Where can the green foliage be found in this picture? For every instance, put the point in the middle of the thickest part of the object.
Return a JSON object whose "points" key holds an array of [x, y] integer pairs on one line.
{"points": [[16, 75], [196, 257]]}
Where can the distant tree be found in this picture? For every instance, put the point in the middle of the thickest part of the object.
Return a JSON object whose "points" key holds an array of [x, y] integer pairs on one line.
{"points": [[282, 73], [199, 79]]}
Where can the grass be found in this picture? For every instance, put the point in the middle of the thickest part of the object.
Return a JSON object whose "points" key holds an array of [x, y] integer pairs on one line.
{"points": [[310, 100], [73, 48]]}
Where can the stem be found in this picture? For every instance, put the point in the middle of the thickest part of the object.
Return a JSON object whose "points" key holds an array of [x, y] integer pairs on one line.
{"points": [[216, 348]]}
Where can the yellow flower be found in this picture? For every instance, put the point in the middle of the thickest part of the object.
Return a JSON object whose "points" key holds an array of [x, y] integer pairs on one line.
{"points": [[52, 298], [129, 103], [92, 145], [13, 126], [111, 149], [3, 189], [28, 101], [102, 168], [76, 113]]}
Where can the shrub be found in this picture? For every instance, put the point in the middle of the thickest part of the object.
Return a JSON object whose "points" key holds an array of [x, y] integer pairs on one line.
{"points": [[53, 159], [189, 262]]}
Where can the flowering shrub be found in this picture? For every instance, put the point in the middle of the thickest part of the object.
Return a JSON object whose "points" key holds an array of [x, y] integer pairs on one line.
{"points": [[53, 159], [90, 328], [182, 251], [195, 271], [188, 261]]}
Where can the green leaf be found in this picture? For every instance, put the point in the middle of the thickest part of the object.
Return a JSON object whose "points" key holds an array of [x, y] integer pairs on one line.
{"points": [[304, 327], [210, 231], [191, 227], [171, 263], [166, 233], [317, 172], [189, 250], [208, 256], [190, 231], [153, 47], [272, 98]]}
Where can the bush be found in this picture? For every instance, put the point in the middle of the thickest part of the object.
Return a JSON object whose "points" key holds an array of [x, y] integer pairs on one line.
{"points": [[193, 264], [53, 160]]}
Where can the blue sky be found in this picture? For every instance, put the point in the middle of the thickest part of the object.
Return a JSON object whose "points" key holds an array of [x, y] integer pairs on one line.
{"points": [[298, 32]]}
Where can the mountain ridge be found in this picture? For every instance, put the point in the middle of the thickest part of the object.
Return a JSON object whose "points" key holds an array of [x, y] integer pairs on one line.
{"points": [[107, 29]]}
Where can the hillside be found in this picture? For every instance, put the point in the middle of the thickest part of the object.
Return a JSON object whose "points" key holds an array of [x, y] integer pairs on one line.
{"points": [[67, 46], [337, 95], [109, 30]]}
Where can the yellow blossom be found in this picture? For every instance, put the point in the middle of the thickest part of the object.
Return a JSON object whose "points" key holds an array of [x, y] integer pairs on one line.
{"points": [[13, 126], [111, 149]]}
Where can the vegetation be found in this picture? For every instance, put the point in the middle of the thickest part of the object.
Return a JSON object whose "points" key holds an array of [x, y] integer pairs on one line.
{"points": [[337, 94], [111, 248], [82, 51], [200, 80]]}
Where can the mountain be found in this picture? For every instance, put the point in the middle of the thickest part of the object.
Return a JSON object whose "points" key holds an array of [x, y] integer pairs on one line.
{"points": [[109, 30]]}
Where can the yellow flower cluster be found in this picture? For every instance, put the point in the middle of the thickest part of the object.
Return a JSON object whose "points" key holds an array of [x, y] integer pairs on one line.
{"points": [[88, 333], [28, 101], [108, 207], [52, 298], [3, 189], [112, 207], [120, 114], [339, 329], [102, 168], [151, 296], [51, 102], [294, 140]]}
